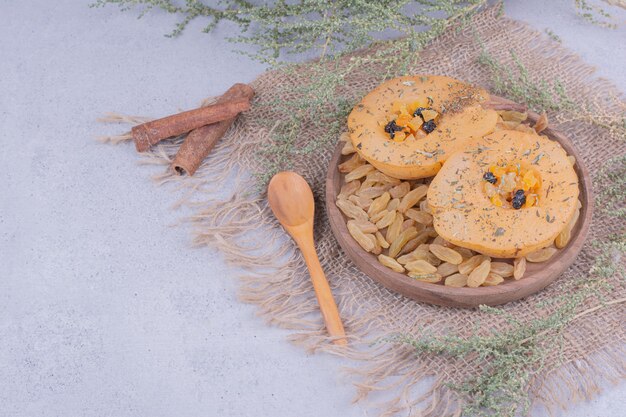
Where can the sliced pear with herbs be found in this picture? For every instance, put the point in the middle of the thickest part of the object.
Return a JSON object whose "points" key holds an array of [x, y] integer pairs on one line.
{"points": [[465, 214], [407, 127]]}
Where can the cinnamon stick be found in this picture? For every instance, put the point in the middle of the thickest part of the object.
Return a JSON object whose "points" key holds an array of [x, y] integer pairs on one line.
{"points": [[150, 133], [199, 142]]}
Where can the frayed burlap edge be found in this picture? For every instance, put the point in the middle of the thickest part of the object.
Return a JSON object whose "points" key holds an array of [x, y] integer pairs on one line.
{"points": [[272, 271]]}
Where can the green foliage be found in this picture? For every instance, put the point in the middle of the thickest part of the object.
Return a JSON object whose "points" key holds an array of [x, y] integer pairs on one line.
{"points": [[553, 35], [510, 358], [517, 84], [613, 124], [610, 184], [317, 104], [593, 14], [307, 25]]}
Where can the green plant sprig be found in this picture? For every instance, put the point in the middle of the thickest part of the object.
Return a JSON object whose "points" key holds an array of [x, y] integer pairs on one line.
{"points": [[517, 84], [279, 27], [511, 358], [594, 14], [610, 183]]}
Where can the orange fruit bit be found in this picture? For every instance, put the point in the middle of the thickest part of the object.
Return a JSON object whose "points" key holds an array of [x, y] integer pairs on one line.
{"points": [[422, 102], [415, 123], [538, 178], [496, 200], [498, 171], [531, 200], [529, 180], [490, 189], [508, 182], [514, 168], [429, 115], [403, 119], [399, 137]]}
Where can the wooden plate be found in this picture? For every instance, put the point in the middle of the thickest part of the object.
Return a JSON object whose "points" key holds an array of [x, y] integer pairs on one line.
{"points": [[537, 277]]}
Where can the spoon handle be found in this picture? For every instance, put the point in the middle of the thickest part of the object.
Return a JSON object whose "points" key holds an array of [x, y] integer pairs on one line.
{"points": [[323, 293]]}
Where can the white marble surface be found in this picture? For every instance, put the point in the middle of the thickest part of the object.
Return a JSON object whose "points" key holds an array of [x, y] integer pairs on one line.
{"points": [[104, 308]]}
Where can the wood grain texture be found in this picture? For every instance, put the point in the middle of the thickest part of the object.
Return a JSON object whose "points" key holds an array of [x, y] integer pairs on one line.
{"points": [[291, 201], [537, 277]]}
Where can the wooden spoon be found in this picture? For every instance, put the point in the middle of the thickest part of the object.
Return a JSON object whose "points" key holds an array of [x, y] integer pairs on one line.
{"points": [[291, 200]]}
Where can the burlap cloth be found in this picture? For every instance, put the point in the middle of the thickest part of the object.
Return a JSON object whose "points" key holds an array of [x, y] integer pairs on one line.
{"points": [[274, 277]]}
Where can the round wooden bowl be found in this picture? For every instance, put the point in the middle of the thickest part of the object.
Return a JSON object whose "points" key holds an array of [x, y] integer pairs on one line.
{"points": [[537, 276]]}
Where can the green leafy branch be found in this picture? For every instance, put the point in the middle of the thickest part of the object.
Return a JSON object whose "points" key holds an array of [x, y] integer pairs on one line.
{"points": [[594, 14], [307, 25], [517, 84], [510, 359], [610, 183]]}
